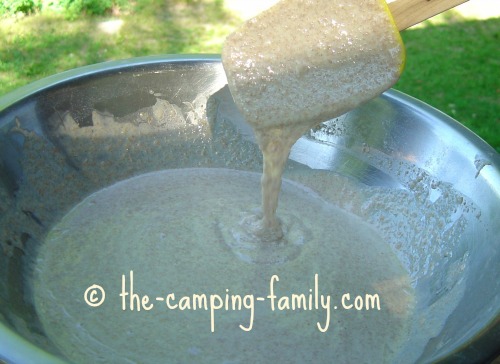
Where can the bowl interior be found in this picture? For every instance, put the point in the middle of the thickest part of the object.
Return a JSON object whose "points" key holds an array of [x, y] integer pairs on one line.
{"points": [[77, 133]]}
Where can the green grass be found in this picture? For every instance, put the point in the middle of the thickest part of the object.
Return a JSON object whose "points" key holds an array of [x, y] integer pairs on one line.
{"points": [[40, 45], [453, 65]]}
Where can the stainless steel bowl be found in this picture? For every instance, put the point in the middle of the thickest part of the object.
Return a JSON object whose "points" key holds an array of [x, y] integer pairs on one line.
{"points": [[392, 142]]}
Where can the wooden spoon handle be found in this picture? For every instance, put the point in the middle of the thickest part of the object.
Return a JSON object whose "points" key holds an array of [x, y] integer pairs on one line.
{"points": [[410, 12]]}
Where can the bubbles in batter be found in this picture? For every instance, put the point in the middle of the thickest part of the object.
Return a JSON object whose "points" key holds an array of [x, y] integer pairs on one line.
{"points": [[175, 230]]}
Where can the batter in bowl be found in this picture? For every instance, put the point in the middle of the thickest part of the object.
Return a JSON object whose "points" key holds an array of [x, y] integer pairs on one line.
{"points": [[170, 228]]}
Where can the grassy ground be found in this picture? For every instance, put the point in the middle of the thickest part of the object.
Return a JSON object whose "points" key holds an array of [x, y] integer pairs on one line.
{"points": [[37, 46], [454, 65]]}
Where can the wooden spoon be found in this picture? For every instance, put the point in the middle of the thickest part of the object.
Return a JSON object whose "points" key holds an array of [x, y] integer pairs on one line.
{"points": [[410, 12]]}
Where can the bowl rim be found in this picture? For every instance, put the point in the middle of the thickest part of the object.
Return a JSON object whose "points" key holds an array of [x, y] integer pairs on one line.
{"points": [[42, 84]]}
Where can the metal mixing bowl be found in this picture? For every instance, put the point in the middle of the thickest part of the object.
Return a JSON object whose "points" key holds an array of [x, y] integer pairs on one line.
{"points": [[48, 165]]}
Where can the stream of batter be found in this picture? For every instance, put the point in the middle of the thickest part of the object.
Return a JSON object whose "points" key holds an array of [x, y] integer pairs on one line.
{"points": [[288, 72], [275, 144]]}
